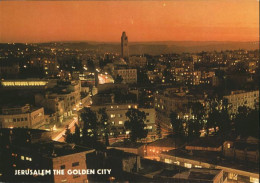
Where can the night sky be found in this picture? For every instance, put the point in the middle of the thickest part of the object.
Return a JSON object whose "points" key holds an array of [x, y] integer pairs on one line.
{"points": [[176, 20]]}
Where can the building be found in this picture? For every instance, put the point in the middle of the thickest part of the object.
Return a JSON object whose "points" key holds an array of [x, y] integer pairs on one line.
{"points": [[128, 75], [117, 116], [242, 149], [233, 170], [124, 46], [242, 98], [22, 117], [137, 61], [23, 84], [42, 155], [134, 148], [63, 99], [252, 66], [155, 148], [47, 65], [193, 175], [177, 100], [9, 70]]}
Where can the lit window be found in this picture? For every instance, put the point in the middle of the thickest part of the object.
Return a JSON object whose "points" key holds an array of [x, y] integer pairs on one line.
{"points": [[136, 106], [129, 106], [22, 157], [187, 165], [198, 166], [228, 145], [176, 162], [112, 115], [254, 180], [232, 176], [120, 122], [168, 161], [112, 107]]}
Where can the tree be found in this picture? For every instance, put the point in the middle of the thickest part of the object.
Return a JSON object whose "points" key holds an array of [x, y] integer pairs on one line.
{"points": [[142, 77], [253, 123], [104, 124], [177, 124], [76, 135], [196, 123], [68, 135], [90, 125], [118, 79], [115, 131], [159, 130], [135, 124], [213, 117], [225, 122]]}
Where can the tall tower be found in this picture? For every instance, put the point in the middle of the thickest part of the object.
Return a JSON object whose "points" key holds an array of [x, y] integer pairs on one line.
{"points": [[124, 46]]}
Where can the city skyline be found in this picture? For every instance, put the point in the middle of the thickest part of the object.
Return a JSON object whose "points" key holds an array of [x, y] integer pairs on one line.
{"points": [[31, 21]]}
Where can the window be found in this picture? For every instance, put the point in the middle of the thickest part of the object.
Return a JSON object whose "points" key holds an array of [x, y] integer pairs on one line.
{"points": [[112, 122], [62, 167], [129, 106], [187, 165], [254, 180], [228, 145], [147, 114], [148, 121], [22, 157], [120, 122], [112, 115], [14, 120], [168, 161], [232, 176], [75, 164], [75, 176], [198, 166], [120, 115], [176, 162]]}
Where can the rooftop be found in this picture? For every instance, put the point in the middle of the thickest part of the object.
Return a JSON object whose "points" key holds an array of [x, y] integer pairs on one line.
{"points": [[54, 149], [207, 142], [127, 144], [214, 158], [166, 142]]}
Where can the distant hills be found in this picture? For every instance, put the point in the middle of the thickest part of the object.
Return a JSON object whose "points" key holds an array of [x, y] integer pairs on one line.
{"points": [[156, 48]]}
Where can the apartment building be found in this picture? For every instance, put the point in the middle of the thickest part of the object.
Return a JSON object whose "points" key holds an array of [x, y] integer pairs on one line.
{"points": [[22, 117], [242, 98]]}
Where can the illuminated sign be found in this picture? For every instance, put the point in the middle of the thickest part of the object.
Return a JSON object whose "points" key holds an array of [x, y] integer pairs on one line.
{"points": [[23, 83]]}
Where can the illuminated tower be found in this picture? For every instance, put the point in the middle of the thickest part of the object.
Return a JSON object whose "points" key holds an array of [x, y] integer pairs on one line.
{"points": [[124, 46]]}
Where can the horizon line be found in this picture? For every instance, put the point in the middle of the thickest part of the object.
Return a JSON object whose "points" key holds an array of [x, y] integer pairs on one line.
{"points": [[86, 41]]}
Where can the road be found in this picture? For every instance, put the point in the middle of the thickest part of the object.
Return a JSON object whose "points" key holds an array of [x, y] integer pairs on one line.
{"points": [[58, 134]]}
